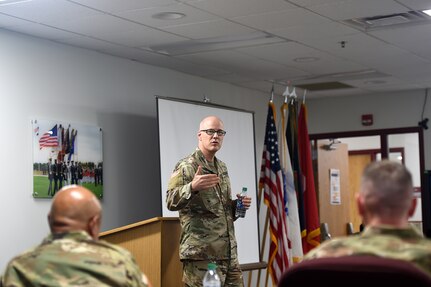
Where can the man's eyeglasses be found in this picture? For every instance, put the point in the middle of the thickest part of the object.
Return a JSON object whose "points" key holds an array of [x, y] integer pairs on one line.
{"points": [[211, 132]]}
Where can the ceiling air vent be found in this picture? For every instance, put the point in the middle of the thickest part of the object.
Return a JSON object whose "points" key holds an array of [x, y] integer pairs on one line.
{"points": [[324, 86], [392, 20]]}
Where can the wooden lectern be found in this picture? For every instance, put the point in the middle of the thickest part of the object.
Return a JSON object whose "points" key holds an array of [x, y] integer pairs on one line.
{"points": [[155, 245]]}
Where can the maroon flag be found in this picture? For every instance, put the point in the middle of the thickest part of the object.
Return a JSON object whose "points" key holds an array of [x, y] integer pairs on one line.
{"points": [[312, 238], [271, 181], [292, 143], [67, 141]]}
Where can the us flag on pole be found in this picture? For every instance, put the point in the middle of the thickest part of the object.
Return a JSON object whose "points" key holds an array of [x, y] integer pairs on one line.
{"points": [[49, 139], [272, 183]]}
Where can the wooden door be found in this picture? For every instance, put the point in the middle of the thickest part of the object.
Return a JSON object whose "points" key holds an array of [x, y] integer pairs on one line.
{"points": [[335, 215]]}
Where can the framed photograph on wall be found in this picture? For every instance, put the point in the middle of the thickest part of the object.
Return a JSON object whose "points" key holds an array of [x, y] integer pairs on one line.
{"points": [[66, 153]]}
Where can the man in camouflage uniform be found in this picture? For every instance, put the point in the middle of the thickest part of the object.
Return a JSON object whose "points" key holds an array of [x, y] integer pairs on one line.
{"points": [[72, 255], [200, 190], [385, 203]]}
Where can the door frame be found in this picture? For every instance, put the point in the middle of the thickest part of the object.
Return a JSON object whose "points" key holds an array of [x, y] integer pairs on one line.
{"points": [[383, 133], [384, 149]]}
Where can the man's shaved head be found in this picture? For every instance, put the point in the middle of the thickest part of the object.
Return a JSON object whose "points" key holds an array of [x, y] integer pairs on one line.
{"points": [[209, 121], [75, 208]]}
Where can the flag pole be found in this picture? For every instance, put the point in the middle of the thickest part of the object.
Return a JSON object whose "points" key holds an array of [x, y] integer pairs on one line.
{"points": [[265, 229], [262, 248]]}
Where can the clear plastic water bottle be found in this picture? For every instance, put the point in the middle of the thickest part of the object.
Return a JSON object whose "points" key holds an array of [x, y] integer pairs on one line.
{"points": [[211, 278], [240, 209]]}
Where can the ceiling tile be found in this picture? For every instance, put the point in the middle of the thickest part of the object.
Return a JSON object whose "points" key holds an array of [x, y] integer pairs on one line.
{"points": [[281, 19], [393, 58], [141, 37], [349, 9], [95, 25], [263, 86], [337, 93], [283, 53], [417, 4], [308, 3], [416, 39], [42, 31], [47, 11], [235, 8], [419, 73], [231, 78], [394, 87], [245, 65], [10, 21], [87, 43], [315, 31], [194, 69], [123, 5], [286, 53], [384, 84], [357, 47], [374, 82], [209, 29]]}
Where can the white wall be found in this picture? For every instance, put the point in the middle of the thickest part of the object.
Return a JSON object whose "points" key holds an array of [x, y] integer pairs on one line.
{"points": [[42, 79]]}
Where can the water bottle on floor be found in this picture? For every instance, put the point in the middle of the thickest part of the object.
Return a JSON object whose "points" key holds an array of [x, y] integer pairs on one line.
{"points": [[211, 278]]}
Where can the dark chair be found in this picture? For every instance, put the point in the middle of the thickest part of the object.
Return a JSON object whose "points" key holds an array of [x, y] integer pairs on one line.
{"points": [[351, 271]]}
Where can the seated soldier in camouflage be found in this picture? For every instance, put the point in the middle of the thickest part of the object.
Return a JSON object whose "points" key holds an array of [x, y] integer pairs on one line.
{"points": [[72, 255], [200, 190], [385, 203]]}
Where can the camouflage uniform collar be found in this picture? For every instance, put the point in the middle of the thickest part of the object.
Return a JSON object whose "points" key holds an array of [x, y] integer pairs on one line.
{"points": [[75, 235], [202, 157], [407, 232]]}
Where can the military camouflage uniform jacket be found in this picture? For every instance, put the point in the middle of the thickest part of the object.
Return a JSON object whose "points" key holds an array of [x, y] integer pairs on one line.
{"points": [[206, 216], [73, 259], [385, 241]]}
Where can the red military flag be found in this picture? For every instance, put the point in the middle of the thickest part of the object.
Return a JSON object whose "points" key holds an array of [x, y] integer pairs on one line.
{"points": [[73, 149], [272, 183], [66, 143], [60, 155], [312, 238], [292, 143]]}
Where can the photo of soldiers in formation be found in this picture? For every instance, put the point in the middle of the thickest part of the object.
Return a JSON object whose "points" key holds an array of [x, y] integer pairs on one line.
{"points": [[56, 163], [62, 173]]}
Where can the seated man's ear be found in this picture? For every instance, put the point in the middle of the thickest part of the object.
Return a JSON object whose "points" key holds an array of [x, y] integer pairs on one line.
{"points": [[412, 207], [360, 204], [94, 226]]}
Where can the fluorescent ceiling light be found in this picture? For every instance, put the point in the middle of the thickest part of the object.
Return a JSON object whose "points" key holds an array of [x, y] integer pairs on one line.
{"points": [[374, 82], [12, 2], [217, 43], [306, 59], [352, 73], [168, 16], [428, 12]]}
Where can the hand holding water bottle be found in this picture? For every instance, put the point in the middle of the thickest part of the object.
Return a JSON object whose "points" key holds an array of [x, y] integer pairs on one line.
{"points": [[243, 203]]}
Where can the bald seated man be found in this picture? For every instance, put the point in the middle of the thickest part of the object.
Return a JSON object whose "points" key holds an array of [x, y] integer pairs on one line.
{"points": [[73, 255]]}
